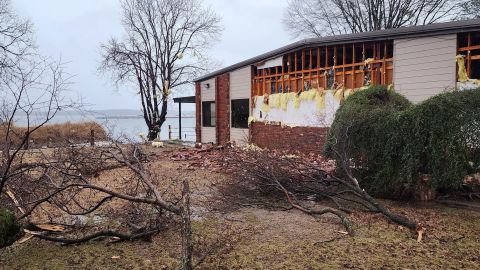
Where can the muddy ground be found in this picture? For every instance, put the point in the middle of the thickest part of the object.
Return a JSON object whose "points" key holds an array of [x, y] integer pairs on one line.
{"points": [[256, 238]]}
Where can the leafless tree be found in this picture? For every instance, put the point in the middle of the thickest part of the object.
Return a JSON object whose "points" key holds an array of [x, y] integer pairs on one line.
{"points": [[274, 179], [163, 49], [316, 18], [470, 9], [16, 38]]}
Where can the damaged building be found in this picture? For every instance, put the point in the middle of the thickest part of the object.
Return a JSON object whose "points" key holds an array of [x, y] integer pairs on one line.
{"points": [[287, 98]]}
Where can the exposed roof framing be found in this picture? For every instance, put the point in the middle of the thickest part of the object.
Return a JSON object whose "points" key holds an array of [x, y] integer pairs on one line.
{"points": [[404, 32]]}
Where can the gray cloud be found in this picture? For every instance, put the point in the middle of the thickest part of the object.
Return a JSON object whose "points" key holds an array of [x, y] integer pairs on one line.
{"points": [[74, 29]]}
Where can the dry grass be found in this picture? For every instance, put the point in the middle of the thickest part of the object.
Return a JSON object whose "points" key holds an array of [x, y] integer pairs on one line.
{"points": [[265, 239], [58, 133]]}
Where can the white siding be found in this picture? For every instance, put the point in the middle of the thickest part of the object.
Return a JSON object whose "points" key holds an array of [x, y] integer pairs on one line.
{"points": [[208, 94], [240, 88], [424, 67], [209, 135], [239, 136], [240, 83]]}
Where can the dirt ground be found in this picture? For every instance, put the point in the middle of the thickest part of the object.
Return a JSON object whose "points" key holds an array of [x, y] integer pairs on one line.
{"points": [[256, 238]]}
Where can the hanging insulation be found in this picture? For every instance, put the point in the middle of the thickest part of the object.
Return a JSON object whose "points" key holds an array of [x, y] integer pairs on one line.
{"points": [[265, 107], [296, 101], [272, 100], [320, 100], [347, 93], [462, 71], [251, 120], [284, 100], [338, 94], [308, 95]]}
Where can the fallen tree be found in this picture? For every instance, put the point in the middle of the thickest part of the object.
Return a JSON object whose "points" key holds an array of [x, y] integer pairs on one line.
{"points": [[273, 179]]}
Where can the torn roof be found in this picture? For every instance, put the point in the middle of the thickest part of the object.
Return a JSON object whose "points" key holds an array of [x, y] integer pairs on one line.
{"points": [[389, 34]]}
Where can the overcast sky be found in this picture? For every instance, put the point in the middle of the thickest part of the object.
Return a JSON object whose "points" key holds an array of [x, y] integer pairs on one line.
{"points": [[74, 29]]}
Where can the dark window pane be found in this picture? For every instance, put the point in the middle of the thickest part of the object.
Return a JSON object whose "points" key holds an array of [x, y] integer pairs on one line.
{"points": [[240, 112], [208, 114]]}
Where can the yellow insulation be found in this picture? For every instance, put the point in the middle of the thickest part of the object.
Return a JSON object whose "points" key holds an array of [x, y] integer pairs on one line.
{"points": [[251, 120], [462, 71], [265, 107], [272, 100], [278, 100], [347, 93], [338, 94], [296, 101], [284, 99], [320, 100], [308, 95]]}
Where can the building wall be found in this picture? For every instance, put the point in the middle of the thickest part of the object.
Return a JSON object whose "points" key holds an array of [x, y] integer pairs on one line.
{"points": [[222, 97], [303, 139], [207, 134], [240, 88], [424, 66]]}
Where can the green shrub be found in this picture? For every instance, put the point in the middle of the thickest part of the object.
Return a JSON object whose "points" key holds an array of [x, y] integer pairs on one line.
{"points": [[9, 228], [392, 142]]}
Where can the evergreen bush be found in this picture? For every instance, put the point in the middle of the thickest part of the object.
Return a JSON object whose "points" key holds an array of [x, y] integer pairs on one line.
{"points": [[393, 143], [9, 228]]}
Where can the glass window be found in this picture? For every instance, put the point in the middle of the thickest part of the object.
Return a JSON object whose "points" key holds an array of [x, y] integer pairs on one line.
{"points": [[208, 114], [240, 112]]}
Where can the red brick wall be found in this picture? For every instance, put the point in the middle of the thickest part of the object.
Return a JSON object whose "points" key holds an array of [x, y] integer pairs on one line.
{"points": [[222, 99], [198, 112], [274, 136]]}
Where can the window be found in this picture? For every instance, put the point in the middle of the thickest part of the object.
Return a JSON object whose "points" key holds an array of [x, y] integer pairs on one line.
{"points": [[240, 112], [469, 47], [208, 114]]}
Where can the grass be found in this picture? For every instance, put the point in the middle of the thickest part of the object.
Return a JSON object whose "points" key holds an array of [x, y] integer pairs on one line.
{"points": [[253, 238], [282, 240], [58, 133]]}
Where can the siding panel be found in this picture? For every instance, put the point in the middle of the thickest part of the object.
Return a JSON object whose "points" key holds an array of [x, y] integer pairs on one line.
{"points": [[208, 94], [424, 67], [209, 135], [240, 83], [240, 88]]}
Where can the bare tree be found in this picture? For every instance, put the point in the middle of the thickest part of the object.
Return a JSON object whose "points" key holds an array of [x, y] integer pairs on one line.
{"points": [[470, 9], [164, 48], [333, 17], [32, 92], [16, 38]]}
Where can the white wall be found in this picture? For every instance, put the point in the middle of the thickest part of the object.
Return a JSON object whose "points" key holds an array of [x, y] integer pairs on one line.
{"points": [[208, 94], [240, 88], [424, 67], [307, 115]]}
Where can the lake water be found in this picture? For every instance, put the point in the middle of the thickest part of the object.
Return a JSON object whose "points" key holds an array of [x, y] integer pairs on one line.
{"points": [[128, 122]]}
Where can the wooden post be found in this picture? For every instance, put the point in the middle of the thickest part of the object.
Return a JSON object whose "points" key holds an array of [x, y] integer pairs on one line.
{"points": [[187, 246], [92, 137], [180, 121], [169, 132]]}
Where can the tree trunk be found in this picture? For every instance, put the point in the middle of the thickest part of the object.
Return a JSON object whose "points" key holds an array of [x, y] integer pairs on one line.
{"points": [[186, 232], [153, 132]]}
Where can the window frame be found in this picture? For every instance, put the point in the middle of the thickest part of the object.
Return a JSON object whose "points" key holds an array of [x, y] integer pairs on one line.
{"points": [[234, 121], [205, 105]]}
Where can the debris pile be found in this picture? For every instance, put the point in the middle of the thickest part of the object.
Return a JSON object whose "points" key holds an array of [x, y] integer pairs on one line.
{"points": [[219, 158]]}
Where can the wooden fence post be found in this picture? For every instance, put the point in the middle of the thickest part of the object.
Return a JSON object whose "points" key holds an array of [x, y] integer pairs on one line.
{"points": [[169, 132], [92, 137]]}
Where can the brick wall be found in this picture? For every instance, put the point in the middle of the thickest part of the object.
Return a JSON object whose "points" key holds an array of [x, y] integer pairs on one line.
{"points": [[274, 136], [222, 98], [198, 112]]}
